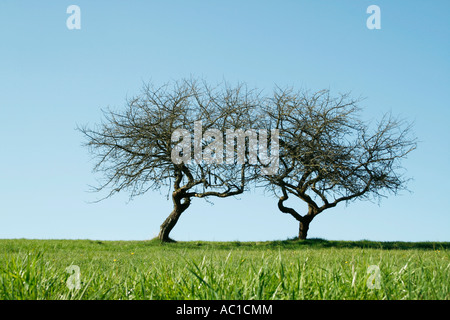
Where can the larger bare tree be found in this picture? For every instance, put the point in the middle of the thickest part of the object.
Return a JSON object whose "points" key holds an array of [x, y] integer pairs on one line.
{"points": [[329, 156], [134, 147]]}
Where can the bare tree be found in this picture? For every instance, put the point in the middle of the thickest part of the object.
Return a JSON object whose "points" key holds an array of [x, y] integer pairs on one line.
{"points": [[134, 148], [328, 155]]}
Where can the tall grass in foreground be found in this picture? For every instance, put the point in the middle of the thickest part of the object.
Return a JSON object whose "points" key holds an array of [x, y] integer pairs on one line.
{"points": [[37, 269]]}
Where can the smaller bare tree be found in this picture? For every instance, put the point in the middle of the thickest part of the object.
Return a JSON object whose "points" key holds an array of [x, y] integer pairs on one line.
{"points": [[134, 147], [328, 155]]}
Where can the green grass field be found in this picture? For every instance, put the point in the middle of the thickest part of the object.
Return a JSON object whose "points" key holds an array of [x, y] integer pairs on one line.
{"points": [[310, 269]]}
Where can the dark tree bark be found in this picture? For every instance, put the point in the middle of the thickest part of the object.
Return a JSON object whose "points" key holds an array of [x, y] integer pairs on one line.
{"points": [[179, 206], [303, 230], [304, 223]]}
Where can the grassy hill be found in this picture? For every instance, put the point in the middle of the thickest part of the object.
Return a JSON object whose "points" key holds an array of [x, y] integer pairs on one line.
{"points": [[290, 269]]}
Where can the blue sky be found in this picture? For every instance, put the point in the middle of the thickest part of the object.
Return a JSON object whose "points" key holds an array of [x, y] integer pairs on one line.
{"points": [[53, 78]]}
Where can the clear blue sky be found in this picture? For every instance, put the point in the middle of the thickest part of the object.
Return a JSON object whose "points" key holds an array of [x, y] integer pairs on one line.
{"points": [[53, 78]]}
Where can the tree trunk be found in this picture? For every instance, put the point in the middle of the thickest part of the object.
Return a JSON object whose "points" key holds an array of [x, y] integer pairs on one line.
{"points": [[168, 224], [305, 221], [303, 230]]}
